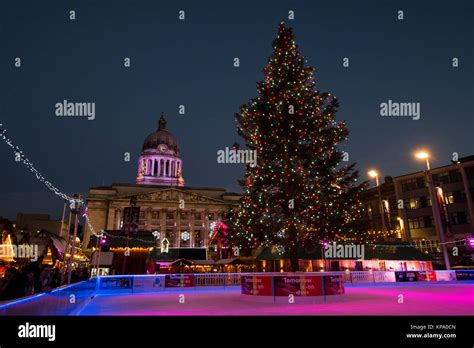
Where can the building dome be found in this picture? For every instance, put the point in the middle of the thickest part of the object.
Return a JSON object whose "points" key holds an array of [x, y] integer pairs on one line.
{"points": [[160, 162], [161, 137]]}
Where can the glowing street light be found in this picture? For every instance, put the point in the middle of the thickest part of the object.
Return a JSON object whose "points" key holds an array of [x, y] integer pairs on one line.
{"points": [[424, 155], [374, 174]]}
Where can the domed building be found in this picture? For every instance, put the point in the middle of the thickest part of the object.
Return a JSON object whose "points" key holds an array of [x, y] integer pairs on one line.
{"points": [[160, 162], [167, 211]]}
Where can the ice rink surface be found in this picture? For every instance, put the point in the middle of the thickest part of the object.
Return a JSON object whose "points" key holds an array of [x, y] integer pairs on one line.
{"points": [[387, 299]]}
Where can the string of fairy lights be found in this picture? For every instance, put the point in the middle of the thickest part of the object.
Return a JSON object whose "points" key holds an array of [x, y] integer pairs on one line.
{"points": [[21, 157]]}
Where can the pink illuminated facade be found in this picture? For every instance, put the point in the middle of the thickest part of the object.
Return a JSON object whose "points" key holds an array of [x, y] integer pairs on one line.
{"points": [[160, 162]]}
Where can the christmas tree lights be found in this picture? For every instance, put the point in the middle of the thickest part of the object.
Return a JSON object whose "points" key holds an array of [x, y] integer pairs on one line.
{"points": [[300, 192]]}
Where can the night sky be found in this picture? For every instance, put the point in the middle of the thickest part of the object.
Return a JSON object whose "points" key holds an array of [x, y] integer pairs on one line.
{"points": [[190, 62]]}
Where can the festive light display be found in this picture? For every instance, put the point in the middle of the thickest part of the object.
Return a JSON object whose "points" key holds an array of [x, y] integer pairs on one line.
{"points": [[20, 157], [218, 229], [300, 192]]}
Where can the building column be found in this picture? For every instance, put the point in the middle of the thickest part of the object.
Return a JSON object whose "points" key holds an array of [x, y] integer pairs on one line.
{"points": [[118, 216], [191, 228], [206, 228], [402, 213], [148, 218], [163, 213], [177, 234], [465, 183]]}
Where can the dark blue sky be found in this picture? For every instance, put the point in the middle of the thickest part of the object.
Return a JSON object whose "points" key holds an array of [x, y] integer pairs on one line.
{"points": [[191, 63]]}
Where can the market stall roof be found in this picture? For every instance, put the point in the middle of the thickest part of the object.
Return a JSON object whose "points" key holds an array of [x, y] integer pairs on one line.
{"points": [[183, 261], [117, 239], [229, 262], [204, 262], [43, 239], [172, 262], [382, 251], [178, 253]]}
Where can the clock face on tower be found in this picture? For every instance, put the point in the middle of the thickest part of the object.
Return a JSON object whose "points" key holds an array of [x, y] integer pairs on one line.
{"points": [[163, 148]]}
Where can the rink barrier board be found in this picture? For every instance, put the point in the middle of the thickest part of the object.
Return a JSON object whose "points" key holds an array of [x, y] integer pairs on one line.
{"points": [[69, 299]]}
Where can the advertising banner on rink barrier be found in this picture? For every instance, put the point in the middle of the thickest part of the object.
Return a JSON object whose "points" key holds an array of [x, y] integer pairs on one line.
{"points": [[445, 276], [426, 276], [179, 280], [464, 275], [257, 285], [405, 276], [415, 276], [148, 283], [333, 285], [298, 285], [116, 283]]}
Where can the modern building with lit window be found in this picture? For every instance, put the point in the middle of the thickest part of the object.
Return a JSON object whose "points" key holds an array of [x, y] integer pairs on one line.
{"points": [[408, 209]]}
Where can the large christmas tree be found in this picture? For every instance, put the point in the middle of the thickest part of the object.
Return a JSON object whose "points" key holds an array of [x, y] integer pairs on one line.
{"points": [[300, 192]]}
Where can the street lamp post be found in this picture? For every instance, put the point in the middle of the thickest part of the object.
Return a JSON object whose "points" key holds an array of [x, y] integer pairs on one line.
{"points": [[75, 205], [374, 174], [434, 205]]}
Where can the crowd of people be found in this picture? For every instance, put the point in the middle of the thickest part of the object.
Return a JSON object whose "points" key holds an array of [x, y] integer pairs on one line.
{"points": [[33, 279]]}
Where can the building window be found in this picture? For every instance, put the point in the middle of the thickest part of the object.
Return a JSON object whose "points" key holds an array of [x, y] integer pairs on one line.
{"points": [[459, 218], [441, 178], [449, 198], [470, 173], [393, 204], [412, 184], [428, 221], [455, 176], [462, 197], [415, 223], [425, 201], [412, 203]]}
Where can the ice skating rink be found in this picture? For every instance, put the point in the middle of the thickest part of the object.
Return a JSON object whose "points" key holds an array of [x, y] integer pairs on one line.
{"points": [[379, 299]]}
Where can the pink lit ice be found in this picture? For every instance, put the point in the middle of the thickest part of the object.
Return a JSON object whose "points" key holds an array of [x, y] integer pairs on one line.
{"points": [[418, 299]]}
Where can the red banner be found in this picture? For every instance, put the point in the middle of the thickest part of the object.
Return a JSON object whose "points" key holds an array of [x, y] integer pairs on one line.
{"points": [[333, 285], [426, 276], [179, 280], [298, 285], [257, 285]]}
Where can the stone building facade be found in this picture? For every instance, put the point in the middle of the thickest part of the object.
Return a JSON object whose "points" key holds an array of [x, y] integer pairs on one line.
{"points": [[180, 213]]}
